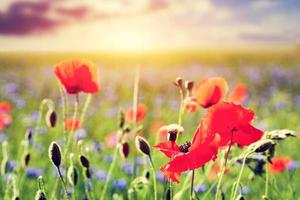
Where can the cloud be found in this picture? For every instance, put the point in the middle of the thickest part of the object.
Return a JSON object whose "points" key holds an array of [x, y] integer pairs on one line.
{"points": [[267, 37], [26, 17], [32, 17]]}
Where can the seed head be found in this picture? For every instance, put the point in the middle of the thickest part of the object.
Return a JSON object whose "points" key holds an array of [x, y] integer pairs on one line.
{"points": [[55, 154]]}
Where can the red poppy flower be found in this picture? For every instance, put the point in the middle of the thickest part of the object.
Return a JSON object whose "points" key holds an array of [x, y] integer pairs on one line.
{"points": [[69, 123], [5, 107], [238, 94], [204, 147], [233, 123], [210, 91], [190, 104], [279, 164], [78, 76], [140, 113]]}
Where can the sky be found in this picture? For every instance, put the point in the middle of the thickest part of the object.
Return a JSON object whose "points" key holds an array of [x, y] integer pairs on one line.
{"points": [[147, 25]]}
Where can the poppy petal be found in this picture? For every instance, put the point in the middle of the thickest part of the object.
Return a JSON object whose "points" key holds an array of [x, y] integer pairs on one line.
{"points": [[170, 149]]}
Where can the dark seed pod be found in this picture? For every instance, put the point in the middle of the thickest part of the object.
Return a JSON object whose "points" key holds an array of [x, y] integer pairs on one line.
{"points": [[55, 154], [16, 198], [51, 118], [26, 160], [72, 176], [142, 145], [87, 173], [84, 161], [40, 195], [124, 150]]}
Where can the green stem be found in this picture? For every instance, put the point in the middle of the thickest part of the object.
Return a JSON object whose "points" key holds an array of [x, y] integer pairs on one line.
{"points": [[63, 182], [219, 186], [135, 104], [236, 186], [85, 107], [267, 183], [154, 179], [208, 191], [181, 108], [111, 168], [192, 185], [70, 136]]}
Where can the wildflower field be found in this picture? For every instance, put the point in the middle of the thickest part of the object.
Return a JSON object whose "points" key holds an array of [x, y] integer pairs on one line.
{"points": [[154, 126]]}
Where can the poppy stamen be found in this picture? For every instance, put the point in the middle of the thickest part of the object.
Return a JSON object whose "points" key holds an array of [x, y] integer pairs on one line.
{"points": [[185, 147]]}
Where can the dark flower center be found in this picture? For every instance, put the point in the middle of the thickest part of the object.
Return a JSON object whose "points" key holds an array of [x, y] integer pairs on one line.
{"points": [[185, 147]]}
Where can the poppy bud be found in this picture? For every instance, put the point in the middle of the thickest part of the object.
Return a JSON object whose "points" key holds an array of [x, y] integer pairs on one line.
{"points": [[121, 119], [28, 134], [142, 145], [240, 197], [51, 118], [280, 134], [26, 160], [72, 175], [147, 175], [87, 173], [270, 154], [124, 149], [178, 82], [189, 85], [55, 154], [264, 197], [261, 145], [168, 194], [40, 195], [84, 161], [172, 135]]}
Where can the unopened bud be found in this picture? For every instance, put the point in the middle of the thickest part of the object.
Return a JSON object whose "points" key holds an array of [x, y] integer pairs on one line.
{"points": [[51, 118], [142, 145], [72, 175], [262, 145], [121, 119], [172, 135], [124, 150], [84, 161], [189, 85], [178, 82], [26, 159], [55, 154], [40, 195]]}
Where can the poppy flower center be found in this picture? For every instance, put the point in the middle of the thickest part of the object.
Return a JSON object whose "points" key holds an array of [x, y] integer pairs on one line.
{"points": [[185, 147]]}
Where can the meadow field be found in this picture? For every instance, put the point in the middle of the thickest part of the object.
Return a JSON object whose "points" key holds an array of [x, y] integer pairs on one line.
{"points": [[115, 168]]}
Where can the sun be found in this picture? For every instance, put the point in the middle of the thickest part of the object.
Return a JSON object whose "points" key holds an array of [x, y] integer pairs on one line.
{"points": [[129, 41]]}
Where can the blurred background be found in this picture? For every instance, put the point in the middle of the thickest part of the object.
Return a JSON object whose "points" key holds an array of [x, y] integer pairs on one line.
{"points": [[253, 42]]}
